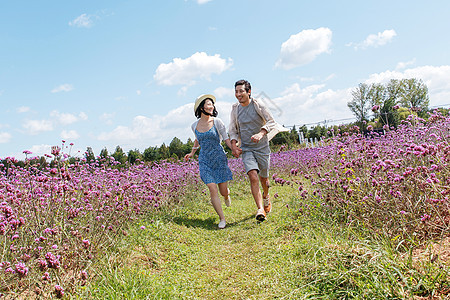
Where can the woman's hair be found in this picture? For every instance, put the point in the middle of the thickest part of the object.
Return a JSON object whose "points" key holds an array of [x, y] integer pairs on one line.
{"points": [[200, 109]]}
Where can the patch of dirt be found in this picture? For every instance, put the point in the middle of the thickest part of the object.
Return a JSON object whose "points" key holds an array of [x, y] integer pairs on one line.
{"points": [[436, 251]]}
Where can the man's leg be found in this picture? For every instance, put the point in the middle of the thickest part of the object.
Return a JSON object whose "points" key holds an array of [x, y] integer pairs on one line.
{"points": [[266, 199], [256, 192], [265, 186]]}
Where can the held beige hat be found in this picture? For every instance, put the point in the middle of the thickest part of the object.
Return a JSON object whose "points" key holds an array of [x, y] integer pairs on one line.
{"points": [[203, 97]]}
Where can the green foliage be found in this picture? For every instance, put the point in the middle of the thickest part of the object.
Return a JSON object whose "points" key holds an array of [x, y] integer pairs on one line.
{"points": [[89, 155], [164, 151], [414, 95], [176, 148], [104, 153], [408, 93], [151, 154], [286, 138], [134, 155], [119, 155], [360, 103]]}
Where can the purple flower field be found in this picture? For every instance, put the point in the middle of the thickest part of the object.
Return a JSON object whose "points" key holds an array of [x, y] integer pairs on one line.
{"points": [[396, 184], [55, 221]]}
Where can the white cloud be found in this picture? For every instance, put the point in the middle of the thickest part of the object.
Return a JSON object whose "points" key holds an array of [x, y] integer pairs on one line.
{"points": [[64, 118], [107, 118], [375, 40], [186, 71], [5, 137], [303, 47], [83, 116], [223, 92], [34, 127], [300, 103], [82, 21], [156, 128], [437, 80], [203, 1], [151, 131], [39, 150], [312, 104], [69, 135], [63, 88], [403, 65], [23, 109], [138, 92]]}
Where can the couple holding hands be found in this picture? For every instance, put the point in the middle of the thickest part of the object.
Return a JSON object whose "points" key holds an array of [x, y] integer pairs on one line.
{"points": [[250, 130]]}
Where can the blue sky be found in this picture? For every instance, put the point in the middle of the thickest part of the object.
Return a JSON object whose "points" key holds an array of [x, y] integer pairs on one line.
{"points": [[106, 73]]}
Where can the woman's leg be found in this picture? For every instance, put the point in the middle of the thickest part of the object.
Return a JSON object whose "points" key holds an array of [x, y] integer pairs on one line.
{"points": [[225, 192], [215, 201]]}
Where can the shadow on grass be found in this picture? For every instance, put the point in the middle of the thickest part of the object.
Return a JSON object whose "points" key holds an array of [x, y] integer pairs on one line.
{"points": [[210, 223]]}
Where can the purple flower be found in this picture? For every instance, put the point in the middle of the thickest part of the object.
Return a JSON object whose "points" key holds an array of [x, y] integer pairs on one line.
{"points": [[46, 276], [21, 269], [425, 217], [86, 243], [84, 275], [52, 260], [59, 291]]}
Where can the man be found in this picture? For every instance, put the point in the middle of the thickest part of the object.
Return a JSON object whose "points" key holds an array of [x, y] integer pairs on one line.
{"points": [[251, 127]]}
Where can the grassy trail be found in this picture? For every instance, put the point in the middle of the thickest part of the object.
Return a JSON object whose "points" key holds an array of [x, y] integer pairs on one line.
{"points": [[180, 254]]}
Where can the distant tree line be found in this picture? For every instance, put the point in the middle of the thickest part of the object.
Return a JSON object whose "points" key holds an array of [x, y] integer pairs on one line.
{"points": [[376, 105], [379, 104]]}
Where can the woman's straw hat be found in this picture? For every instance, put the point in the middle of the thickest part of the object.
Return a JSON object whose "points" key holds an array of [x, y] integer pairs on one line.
{"points": [[203, 97]]}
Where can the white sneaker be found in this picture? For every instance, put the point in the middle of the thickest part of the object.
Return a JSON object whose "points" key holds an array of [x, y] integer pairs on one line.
{"points": [[228, 201], [222, 224]]}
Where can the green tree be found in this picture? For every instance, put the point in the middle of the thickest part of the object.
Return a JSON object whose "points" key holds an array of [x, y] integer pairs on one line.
{"points": [[151, 154], [163, 151], [414, 95], [104, 153], [119, 155], [176, 147], [188, 146], [388, 115], [294, 135], [361, 103], [89, 155], [317, 132], [134, 155]]}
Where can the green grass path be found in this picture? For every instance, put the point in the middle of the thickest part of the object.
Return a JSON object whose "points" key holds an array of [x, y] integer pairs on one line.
{"points": [[180, 254]]}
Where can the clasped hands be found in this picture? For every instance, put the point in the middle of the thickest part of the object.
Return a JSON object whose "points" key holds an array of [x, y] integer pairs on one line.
{"points": [[236, 151]]}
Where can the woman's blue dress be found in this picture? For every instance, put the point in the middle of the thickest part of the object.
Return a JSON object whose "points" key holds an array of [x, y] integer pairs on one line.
{"points": [[212, 160]]}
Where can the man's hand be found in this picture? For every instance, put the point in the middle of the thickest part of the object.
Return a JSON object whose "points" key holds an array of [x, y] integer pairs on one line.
{"points": [[236, 151], [257, 137]]}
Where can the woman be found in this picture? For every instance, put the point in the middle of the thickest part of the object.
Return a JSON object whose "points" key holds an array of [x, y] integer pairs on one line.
{"points": [[212, 161]]}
